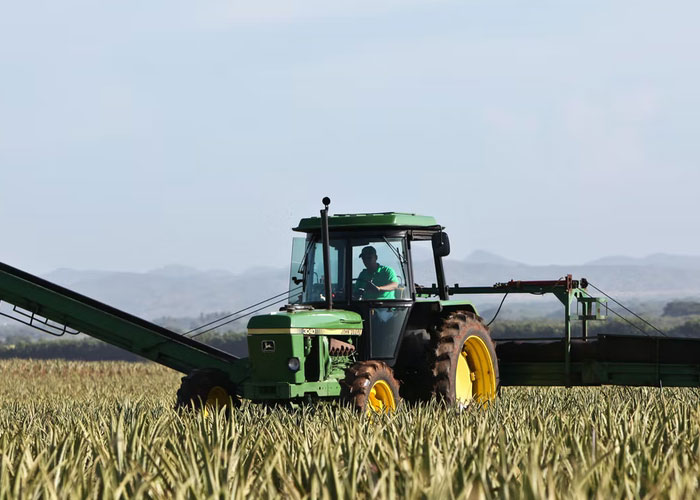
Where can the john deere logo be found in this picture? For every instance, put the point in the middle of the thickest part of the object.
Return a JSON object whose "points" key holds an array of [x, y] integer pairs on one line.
{"points": [[268, 345]]}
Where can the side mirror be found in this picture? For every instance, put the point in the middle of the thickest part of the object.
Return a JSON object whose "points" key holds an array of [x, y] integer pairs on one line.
{"points": [[441, 244]]}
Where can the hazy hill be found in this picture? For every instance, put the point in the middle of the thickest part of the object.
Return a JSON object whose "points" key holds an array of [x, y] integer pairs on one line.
{"points": [[184, 292], [647, 284], [657, 260], [175, 290], [484, 257]]}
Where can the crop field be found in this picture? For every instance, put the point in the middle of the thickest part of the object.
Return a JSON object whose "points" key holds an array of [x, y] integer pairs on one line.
{"points": [[108, 430]]}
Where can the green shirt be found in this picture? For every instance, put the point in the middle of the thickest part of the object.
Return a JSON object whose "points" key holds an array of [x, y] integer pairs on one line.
{"points": [[382, 276]]}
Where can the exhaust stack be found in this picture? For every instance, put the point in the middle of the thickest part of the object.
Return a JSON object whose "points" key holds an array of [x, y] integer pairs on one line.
{"points": [[326, 254]]}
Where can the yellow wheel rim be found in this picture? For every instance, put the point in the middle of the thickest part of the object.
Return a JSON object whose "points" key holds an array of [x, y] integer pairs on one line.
{"points": [[381, 398], [475, 377], [216, 397], [463, 379]]}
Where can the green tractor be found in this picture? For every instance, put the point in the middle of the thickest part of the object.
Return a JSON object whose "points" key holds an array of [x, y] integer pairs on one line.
{"points": [[357, 328]]}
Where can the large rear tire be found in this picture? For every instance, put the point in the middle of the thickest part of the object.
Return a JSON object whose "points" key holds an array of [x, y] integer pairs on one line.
{"points": [[370, 387], [205, 389], [464, 367]]}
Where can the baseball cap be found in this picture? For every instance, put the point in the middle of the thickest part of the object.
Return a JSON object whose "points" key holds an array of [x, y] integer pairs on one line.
{"points": [[368, 251]]}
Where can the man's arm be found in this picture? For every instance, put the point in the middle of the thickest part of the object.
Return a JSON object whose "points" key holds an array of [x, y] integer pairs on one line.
{"points": [[388, 287], [389, 280]]}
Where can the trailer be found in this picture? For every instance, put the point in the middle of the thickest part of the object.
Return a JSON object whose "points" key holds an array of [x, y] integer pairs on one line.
{"points": [[358, 328]]}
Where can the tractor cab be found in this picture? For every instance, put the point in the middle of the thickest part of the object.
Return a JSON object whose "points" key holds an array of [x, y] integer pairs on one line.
{"points": [[381, 288], [307, 284]]}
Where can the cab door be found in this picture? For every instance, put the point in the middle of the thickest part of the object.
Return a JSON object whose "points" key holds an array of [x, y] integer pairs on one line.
{"points": [[384, 318], [387, 323]]}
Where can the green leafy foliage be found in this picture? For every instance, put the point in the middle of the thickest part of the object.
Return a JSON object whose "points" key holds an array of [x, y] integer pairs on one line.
{"points": [[108, 430], [87, 349], [682, 308]]}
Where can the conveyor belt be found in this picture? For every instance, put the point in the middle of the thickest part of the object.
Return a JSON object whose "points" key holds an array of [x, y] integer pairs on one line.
{"points": [[48, 300]]}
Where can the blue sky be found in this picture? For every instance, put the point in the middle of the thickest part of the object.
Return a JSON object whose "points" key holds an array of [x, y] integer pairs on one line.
{"points": [[135, 135]]}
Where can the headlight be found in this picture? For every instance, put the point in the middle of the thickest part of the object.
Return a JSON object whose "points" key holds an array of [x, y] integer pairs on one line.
{"points": [[293, 364]]}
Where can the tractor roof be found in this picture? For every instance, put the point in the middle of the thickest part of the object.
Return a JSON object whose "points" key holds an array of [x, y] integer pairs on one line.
{"points": [[391, 220]]}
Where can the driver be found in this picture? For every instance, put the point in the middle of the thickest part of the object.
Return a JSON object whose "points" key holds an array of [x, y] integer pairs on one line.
{"points": [[377, 281]]}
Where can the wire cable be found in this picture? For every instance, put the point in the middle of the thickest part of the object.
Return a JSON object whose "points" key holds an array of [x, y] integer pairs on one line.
{"points": [[497, 311], [629, 311], [238, 317], [286, 292], [628, 321]]}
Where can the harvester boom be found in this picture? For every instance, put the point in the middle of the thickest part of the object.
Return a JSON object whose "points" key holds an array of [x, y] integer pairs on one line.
{"points": [[38, 302]]}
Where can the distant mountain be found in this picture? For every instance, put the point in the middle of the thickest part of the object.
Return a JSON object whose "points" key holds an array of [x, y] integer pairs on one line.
{"points": [[484, 257], [67, 277], [649, 283], [174, 271], [657, 260], [173, 292], [628, 280]]}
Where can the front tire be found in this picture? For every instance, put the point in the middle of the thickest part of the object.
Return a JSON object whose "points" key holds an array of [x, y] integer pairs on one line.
{"points": [[465, 367], [370, 387], [204, 389]]}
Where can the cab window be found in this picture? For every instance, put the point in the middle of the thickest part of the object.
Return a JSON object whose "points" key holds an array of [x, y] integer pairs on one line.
{"points": [[312, 269], [379, 269]]}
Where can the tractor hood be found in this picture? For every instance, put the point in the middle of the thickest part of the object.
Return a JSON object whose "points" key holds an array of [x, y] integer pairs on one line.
{"points": [[308, 322]]}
